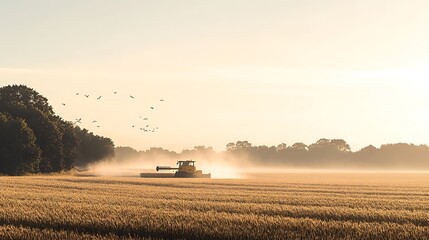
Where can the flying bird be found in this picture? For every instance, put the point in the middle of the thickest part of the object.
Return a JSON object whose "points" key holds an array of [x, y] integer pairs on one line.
{"points": [[151, 107], [99, 98], [145, 118], [147, 125], [77, 94], [133, 126], [131, 96], [115, 92], [63, 104], [162, 100], [94, 121], [98, 126], [87, 96]]}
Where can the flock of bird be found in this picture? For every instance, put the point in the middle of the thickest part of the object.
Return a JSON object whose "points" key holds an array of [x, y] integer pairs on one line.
{"points": [[146, 128]]}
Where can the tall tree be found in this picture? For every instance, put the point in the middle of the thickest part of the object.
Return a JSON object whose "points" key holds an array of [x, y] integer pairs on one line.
{"points": [[70, 143], [93, 148], [23, 95], [19, 153], [59, 141], [48, 136]]}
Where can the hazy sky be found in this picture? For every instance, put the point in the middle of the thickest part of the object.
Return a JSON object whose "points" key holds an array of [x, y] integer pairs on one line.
{"points": [[264, 71]]}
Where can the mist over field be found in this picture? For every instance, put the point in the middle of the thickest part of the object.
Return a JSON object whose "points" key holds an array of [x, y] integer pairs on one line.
{"points": [[243, 160]]}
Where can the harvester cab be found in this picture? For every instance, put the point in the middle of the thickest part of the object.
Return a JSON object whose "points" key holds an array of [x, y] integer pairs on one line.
{"points": [[187, 166]]}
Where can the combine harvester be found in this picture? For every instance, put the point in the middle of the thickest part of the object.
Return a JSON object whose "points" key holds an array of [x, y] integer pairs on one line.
{"points": [[185, 169]]}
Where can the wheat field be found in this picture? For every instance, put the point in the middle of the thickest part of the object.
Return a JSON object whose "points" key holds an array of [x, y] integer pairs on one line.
{"points": [[282, 206]]}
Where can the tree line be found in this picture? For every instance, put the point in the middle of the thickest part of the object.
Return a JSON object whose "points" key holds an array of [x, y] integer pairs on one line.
{"points": [[324, 153], [33, 139]]}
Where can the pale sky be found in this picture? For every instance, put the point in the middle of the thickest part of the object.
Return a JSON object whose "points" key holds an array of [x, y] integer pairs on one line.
{"points": [[263, 71]]}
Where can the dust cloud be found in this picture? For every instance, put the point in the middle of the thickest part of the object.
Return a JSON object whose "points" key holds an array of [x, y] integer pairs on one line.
{"points": [[243, 159], [220, 165], [221, 169], [132, 167]]}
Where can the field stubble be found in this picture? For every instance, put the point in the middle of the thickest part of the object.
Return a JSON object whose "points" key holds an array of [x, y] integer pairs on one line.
{"points": [[288, 206]]}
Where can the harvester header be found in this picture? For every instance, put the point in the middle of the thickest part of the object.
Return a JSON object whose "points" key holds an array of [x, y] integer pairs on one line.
{"points": [[166, 168]]}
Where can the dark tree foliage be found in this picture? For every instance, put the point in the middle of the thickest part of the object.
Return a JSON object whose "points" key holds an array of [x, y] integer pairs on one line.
{"points": [[22, 102], [93, 148], [22, 95], [59, 141], [333, 153], [71, 144], [325, 153], [19, 153], [48, 137]]}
